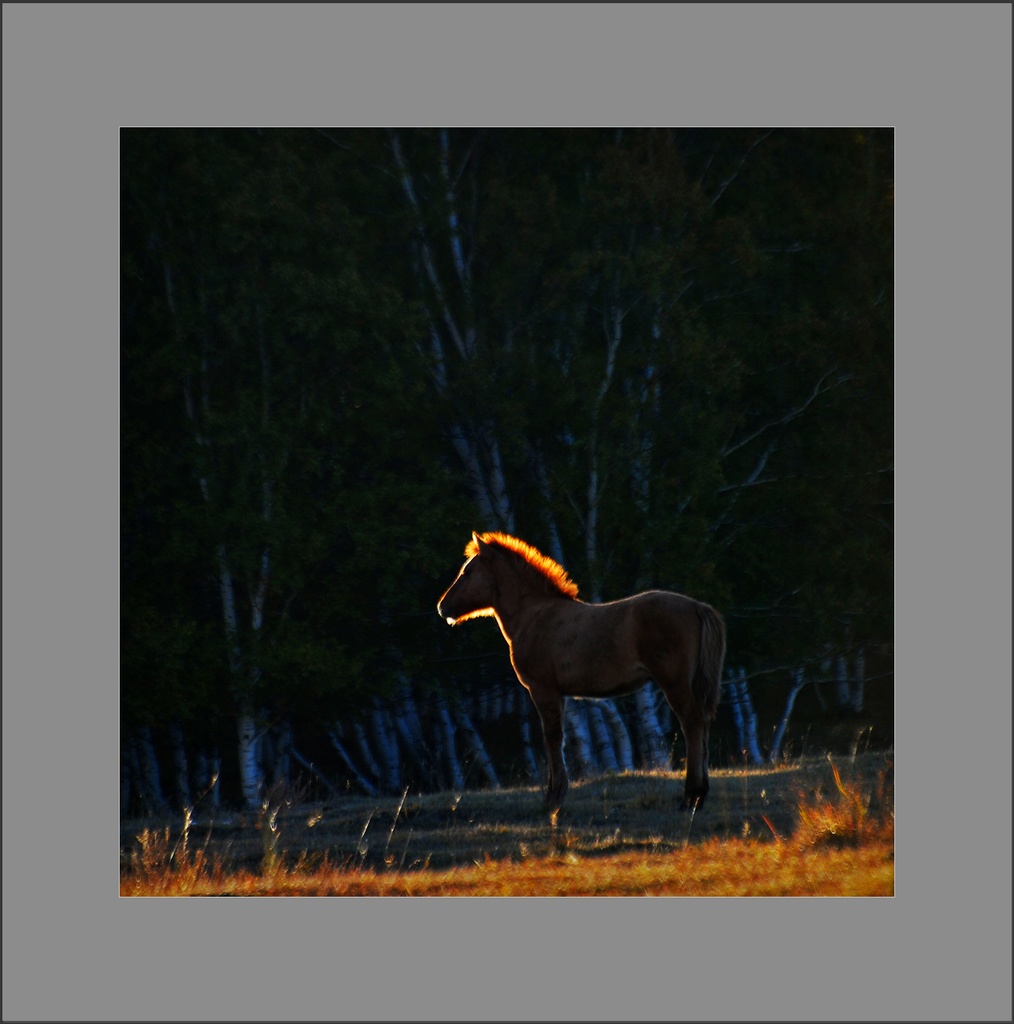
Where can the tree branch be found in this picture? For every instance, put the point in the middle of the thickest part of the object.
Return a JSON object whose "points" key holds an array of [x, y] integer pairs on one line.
{"points": [[457, 254], [735, 174], [464, 345], [820, 388], [753, 479]]}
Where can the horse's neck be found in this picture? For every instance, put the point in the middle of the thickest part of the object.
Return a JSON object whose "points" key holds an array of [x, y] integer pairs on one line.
{"points": [[520, 601]]}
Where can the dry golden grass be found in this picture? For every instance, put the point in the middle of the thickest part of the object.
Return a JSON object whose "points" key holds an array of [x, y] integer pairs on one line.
{"points": [[716, 868], [805, 829]]}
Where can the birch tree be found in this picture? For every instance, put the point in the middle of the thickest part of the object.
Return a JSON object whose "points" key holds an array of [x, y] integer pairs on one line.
{"points": [[454, 336], [664, 357], [268, 326]]}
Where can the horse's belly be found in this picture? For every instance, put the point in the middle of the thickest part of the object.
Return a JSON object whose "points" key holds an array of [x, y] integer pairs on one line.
{"points": [[603, 692], [600, 680]]}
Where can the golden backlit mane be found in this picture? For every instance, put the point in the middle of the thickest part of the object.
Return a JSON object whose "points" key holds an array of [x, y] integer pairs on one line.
{"points": [[553, 571]]}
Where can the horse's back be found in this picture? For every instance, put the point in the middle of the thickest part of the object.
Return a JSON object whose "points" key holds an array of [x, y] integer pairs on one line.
{"points": [[667, 602], [664, 620], [663, 612]]}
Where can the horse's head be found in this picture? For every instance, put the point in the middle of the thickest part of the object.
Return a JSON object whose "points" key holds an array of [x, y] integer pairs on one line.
{"points": [[473, 593]]}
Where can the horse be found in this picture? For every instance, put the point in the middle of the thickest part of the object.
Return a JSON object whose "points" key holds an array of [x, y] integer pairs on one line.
{"points": [[562, 647]]}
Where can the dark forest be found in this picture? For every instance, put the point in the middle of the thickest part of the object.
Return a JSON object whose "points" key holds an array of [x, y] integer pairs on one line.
{"points": [[663, 357]]}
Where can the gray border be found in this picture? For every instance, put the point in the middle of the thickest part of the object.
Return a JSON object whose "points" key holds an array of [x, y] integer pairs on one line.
{"points": [[72, 74]]}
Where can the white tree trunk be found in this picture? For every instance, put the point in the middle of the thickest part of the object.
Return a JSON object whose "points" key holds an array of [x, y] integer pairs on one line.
{"points": [[362, 741], [487, 486], [475, 745], [818, 687], [313, 770], [578, 737], [858, 684], [531, 761], [498, 701], [407, 726], [621, 737], [357, 776], [251, 778], [798, 682], [542, 479], [206, 776], [475, 443], [842, 697], [665, 718], [229, 620], [445, 728], [602, 738], [750, 717], [652, 745], [613, 329], [198, 411], [744, 716], [386, 741]]}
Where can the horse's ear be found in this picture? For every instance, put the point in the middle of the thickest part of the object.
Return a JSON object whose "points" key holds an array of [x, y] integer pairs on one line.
{"points": [[480, 546]]}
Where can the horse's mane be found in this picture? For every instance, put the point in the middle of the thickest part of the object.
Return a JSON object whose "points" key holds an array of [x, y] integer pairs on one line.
{"points": [[552, 571]]}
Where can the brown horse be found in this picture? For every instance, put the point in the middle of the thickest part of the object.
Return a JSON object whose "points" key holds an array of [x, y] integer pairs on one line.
{"points": [[562, 647]]}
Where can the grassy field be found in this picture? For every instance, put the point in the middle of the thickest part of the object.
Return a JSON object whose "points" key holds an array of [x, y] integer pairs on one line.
{"points": [[811, 827]]}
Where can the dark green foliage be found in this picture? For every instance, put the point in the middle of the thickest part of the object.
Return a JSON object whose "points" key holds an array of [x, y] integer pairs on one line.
{"points": [[704, 317]]}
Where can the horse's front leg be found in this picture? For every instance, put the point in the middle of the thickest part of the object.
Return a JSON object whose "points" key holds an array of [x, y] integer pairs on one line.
{"points": [[551, 714]]}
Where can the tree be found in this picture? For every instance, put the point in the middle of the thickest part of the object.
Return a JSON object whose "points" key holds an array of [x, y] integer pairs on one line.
{"points": [[653, 324], [664, 357], [287, 365]]}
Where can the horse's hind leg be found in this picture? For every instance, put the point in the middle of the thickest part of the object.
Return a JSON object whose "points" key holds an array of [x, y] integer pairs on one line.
{"points": [[697, 783], [551, 713], [695, 731]]}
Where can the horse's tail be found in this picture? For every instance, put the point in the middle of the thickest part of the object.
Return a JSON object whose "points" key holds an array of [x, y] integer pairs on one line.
{"points": [[707, 681]]}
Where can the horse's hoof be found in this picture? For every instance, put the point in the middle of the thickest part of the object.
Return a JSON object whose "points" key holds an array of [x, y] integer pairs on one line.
{"points": [[554, 801]]}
